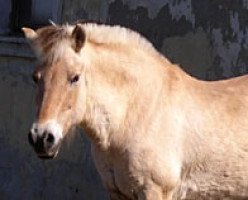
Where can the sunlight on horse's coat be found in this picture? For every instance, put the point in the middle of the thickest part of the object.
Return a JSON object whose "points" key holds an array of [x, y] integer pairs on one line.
{"points": [[156, 132]]}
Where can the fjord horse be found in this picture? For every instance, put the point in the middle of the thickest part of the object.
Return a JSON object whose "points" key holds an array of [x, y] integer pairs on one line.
{"points": [[156, 132]]}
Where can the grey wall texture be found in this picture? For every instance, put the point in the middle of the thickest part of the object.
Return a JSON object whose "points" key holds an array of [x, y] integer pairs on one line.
{"points": [[208, 39]]}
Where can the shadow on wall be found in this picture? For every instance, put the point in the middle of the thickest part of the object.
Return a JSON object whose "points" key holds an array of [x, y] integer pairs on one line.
{"points": [[156, 29], [210, 44], [221, 25]]}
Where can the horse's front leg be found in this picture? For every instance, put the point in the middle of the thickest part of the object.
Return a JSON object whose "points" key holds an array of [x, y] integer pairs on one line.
{"points": [[116, 195], [154, 193], [107, 175]]}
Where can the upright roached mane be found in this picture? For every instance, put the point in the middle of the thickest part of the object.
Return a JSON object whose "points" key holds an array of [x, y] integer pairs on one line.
{"points": [[156, 133]]}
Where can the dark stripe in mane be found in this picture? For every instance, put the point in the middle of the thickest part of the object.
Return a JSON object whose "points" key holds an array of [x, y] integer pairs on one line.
{"points": [[48, 38]]}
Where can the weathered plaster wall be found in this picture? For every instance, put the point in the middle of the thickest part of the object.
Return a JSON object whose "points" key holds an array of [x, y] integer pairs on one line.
{"points": [[209, 39]]}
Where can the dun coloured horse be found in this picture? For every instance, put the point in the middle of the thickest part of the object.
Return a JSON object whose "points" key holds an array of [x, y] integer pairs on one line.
{"points": [[156, 132]]}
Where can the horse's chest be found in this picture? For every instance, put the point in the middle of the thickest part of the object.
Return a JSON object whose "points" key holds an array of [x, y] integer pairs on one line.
{"points": [[125, 181], [116, 175], [122, 177]]}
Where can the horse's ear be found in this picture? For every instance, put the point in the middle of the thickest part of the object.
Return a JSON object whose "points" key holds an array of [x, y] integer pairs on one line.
{"points": [[29, 33], [78, 38]]}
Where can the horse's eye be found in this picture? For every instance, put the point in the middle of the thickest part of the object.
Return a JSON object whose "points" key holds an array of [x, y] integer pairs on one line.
{"points": [[74, 79], [36, 77]]}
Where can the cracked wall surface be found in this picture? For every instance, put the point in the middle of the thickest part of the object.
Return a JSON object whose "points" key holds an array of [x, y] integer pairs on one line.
{"points": [[208, 39]]}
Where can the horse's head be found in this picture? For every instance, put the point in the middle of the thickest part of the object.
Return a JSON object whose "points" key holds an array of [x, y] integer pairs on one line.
{"points": [[60, 80], [91, 75]]}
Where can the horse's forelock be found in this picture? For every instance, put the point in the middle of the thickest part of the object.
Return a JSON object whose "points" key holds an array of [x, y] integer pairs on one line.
{"points": [[49, 40]]}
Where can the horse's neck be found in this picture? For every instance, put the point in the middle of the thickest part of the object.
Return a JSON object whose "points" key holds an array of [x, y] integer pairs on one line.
{"points": [[118, 99], [110, 115]]}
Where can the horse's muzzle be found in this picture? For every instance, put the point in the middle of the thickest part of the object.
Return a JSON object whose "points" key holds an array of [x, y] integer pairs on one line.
{"points": [[44, 145]]}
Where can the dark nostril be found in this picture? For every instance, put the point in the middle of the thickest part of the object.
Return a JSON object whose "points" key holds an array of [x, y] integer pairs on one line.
{"points": [[36, 130], [50, 138], [30, 139]]}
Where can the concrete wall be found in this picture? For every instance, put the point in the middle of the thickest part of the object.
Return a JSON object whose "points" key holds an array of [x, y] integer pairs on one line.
{"points": [[207, 38]]}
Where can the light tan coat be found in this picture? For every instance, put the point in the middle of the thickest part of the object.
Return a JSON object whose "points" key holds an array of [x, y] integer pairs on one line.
{"points": [[156, 132]]}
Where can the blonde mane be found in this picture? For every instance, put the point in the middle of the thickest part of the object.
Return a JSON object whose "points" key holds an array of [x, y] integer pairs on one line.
{"points": [[107, 34], [52, 39]]}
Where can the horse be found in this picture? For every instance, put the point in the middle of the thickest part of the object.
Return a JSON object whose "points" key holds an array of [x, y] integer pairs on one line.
{"points": [[156, 132]]}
